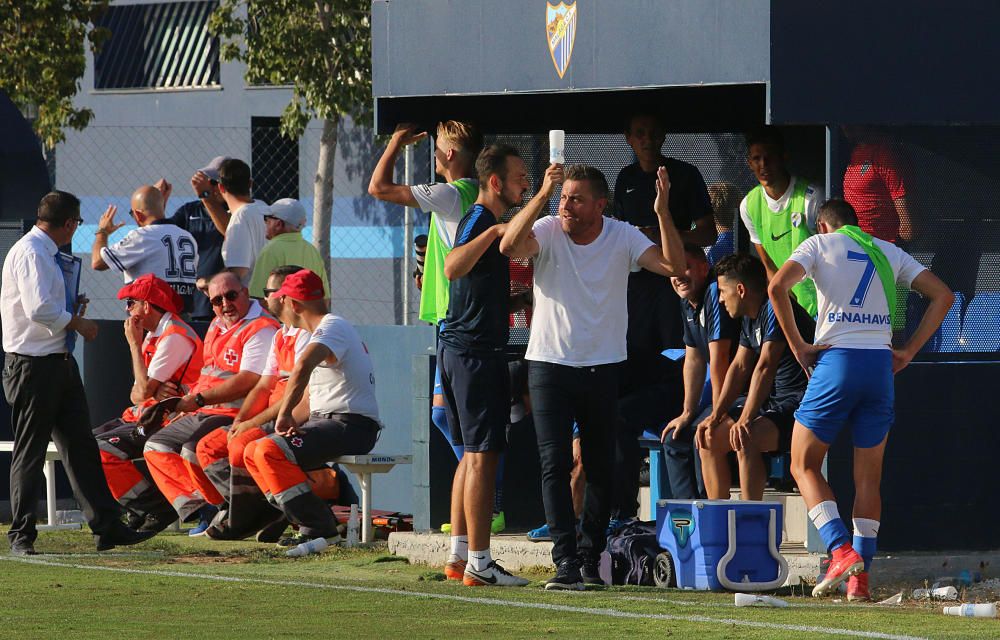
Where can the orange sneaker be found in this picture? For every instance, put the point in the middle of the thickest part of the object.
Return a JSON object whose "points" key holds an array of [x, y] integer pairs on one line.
{"points": [[454, 569], [857, 588], [846, 562]]}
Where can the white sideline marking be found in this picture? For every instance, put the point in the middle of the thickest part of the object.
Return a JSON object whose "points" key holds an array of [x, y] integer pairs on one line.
{"points": [[613, 613]]}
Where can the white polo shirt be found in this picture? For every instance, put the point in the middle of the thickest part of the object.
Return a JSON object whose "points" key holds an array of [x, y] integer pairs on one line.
{"points": [[246, 236], [33, 311]]}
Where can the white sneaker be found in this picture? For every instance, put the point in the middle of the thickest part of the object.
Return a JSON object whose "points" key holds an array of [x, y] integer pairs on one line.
{"points": [[493, 576]]}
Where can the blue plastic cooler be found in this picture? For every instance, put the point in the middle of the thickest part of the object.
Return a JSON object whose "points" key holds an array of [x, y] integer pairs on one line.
{"points": [[723, 544]]}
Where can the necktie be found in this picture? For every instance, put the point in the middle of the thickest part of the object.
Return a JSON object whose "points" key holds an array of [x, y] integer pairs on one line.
{"points": [[70, 302]]}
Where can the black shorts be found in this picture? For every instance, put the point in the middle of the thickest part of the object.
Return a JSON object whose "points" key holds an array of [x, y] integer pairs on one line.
{"points": [[781, 411], [477, 397]]}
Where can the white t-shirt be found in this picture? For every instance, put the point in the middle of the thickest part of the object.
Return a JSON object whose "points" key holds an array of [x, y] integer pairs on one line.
{"points": [[245, 237], [853, 311], [165, 250], [301, 337], [814, 198], [445, 201], [172, 352], [255, 349], [347, 385], [580, 314]]}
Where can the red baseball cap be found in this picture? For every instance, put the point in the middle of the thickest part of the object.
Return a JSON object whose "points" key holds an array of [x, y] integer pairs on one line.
{"points": [[302, 285], [151, 289]]}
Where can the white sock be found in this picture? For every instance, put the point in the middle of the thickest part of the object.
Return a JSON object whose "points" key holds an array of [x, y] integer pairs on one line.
{"points": [[824, 512], [480, 560], [460, 547], [866, 528]]}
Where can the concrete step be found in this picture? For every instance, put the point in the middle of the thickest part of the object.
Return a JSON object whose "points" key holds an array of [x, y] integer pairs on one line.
{"points": [[516, 553]]}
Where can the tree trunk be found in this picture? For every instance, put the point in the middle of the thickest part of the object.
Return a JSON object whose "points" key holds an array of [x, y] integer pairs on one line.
{"points": [[323, 191]]}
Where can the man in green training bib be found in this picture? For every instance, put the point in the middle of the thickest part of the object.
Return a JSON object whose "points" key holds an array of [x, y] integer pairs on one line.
{"points": [[780, 212]]}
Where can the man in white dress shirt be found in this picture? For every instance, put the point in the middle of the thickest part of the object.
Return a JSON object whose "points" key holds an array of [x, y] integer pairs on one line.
{"points": [[41, 380]]}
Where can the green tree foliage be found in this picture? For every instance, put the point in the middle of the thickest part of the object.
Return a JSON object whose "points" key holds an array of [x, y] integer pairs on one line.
{"points": [[43, 57]]}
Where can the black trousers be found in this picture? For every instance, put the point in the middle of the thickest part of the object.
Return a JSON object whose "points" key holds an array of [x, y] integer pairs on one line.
{"points": [[47, 402], [561, 395]]}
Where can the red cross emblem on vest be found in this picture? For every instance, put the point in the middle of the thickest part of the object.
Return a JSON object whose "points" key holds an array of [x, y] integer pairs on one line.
{"points": [[231, 357]]}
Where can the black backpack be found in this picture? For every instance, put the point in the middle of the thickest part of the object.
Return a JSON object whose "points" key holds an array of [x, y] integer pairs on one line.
{"points": [[633, 550]]}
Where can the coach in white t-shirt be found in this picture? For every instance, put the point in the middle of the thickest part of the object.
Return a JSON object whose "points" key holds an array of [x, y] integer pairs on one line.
{"points": [[582, 264], [156, 246], [246, 233], [852, 383]]}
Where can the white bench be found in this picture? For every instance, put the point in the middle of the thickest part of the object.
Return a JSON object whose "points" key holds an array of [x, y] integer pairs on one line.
{"points": [[363, 467], [51, 456]]}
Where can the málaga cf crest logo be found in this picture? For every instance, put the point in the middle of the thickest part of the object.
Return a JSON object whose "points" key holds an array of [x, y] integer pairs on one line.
{"points": [[560, 31]]}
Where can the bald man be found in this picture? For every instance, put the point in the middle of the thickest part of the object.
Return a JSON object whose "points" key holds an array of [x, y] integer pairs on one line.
{"points": [[156, 246]]}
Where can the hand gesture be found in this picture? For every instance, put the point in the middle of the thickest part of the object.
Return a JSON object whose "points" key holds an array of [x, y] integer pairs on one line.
{"points": [[553, 176], [808, 354], [165, 189], [286, 426], [106, 224], [662, 203], [406, 133], [201, 183], [133, 332], [739, 434], [677, 424]]}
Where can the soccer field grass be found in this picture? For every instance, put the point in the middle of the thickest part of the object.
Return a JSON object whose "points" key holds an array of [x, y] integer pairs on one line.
{"points": [[174, 586]]}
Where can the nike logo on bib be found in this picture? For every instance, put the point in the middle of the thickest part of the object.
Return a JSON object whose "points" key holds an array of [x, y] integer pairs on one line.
{"points": [[775, 238]]}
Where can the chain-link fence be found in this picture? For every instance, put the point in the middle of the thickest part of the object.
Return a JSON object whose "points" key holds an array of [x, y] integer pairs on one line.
{"points": [[103, 165]]}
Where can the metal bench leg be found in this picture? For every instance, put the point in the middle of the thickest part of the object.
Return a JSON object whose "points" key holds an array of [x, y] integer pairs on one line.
{"points": [[50, 490], [366, 506]]}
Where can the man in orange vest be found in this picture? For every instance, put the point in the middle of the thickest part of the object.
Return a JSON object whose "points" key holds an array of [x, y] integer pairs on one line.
{"points": [[220, 453], [168, 358], [236, 348]]}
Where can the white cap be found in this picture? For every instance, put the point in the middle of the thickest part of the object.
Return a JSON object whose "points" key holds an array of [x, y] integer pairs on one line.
{"points": [[290, 211]]}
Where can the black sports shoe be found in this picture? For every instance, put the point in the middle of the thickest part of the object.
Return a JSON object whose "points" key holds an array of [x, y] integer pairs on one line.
{"points": [[567, 576], [23, 549], [120, 535], [157, 522], [590, 570]]}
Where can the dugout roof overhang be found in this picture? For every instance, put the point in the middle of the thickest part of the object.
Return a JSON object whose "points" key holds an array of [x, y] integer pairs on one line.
{"points": [[705, 65]]}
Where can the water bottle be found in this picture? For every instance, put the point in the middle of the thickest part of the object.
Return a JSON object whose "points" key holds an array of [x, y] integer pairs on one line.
{"points": [[352, 526], [310, 546], [941, 593], [750, 599], [557, 148], [986, 610]]}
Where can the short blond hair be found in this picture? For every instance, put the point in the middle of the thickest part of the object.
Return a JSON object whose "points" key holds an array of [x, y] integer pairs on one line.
{"points": [[725, 201], [464, 136]]}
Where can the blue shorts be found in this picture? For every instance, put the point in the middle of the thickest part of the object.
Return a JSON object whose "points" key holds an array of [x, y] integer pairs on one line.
{"points": [[438, 389], [850, 387]]}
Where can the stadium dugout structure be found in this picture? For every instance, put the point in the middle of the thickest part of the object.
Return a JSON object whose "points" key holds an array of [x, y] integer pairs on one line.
{"points": [[523, 67]]}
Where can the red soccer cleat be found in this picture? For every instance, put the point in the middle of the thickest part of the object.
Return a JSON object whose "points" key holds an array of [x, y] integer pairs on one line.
{"points": [[846, 563], [857, 588]]}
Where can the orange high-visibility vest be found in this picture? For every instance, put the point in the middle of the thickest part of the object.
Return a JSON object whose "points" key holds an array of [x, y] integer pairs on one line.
{"points": [[184, 377], [284, 351], [223, 355]]}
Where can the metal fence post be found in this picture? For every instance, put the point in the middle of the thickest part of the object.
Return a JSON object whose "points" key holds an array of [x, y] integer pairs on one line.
{"points": [[407, 236]]}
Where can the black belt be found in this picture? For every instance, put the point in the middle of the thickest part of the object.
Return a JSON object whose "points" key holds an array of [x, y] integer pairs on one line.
{"points": [[48, 356], [363, 419]]}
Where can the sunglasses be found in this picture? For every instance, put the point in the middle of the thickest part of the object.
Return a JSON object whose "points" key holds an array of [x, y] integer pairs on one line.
{"points": [[269, 292], [229, 295], [129, 303]]}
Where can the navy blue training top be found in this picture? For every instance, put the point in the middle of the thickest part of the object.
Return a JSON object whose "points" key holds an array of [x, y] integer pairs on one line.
{"points": [[708, 322], [789, 379], [477, 319]]}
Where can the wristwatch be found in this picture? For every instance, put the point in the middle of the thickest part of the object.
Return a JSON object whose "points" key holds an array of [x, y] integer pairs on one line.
{"points": [[199, 400]]}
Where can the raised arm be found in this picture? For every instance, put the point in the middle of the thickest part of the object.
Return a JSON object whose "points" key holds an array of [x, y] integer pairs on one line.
{"points": [[382, 186], [517, 241], [668, 258], [105, 227]]}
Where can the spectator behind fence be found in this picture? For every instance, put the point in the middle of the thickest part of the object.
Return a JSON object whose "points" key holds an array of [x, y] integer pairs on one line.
{"points": [[171, 353], [236, 348], [221, 452], [286, 245], [246, 233], [875, 186], [710, 338], [155, 247], [582, 263], [202, 218], [780, 212], [852, 382], [337, 371], [726, 207], [765, 369], [649, 384], [40, 314]]}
